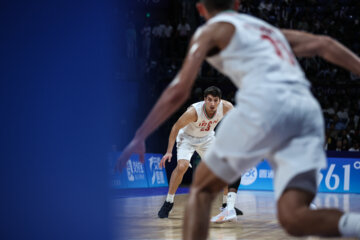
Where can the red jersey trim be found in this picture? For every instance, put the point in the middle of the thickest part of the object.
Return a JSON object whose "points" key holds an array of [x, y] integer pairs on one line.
{"points": [[207, 117]]}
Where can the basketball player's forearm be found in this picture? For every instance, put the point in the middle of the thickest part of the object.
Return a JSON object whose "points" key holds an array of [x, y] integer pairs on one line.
{"points": [[309, 45], [170, 146], [338, 54], [172, 139]]}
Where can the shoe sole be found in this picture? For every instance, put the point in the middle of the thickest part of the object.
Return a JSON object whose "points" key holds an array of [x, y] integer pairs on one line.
{"points": [[224, 221]]}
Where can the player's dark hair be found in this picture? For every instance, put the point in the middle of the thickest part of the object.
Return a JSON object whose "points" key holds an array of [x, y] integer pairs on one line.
{"points": [[215, 5], [213, 91]]}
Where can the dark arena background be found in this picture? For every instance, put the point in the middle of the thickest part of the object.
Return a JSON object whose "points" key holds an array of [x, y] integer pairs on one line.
{"points": [[77, 78]]}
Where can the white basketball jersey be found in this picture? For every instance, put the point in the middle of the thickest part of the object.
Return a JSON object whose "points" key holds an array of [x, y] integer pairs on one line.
{"points": [[204, 125], [257, 54]]}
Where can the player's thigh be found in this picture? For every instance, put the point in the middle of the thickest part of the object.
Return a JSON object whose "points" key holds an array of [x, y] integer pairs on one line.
{"points": [[202, 148], [185, 150]]}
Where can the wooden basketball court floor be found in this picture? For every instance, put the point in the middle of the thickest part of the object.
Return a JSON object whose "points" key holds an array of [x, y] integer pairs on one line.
{"points": [[138, 216]]}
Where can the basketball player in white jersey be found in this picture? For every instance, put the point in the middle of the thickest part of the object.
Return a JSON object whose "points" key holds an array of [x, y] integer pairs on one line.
{"points": [[275, 117], [194, 131]]}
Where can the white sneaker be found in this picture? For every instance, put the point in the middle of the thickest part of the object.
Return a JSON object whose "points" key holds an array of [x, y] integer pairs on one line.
{"points": [[227, 215]]}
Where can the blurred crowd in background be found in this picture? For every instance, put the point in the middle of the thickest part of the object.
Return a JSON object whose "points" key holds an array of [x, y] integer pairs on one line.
{"points": [[158, 43]]}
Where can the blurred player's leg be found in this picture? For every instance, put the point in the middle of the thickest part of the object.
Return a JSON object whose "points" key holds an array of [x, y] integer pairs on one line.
{"points": [[204, 189], [298, 218]]}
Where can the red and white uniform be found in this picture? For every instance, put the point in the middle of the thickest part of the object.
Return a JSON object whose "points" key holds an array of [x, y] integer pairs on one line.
{"points": [[275, 117], [257, 54], [197, 136]]}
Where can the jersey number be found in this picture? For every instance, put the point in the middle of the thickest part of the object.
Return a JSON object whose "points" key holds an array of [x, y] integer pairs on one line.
{"points": [[206, 128], [280, 48]]}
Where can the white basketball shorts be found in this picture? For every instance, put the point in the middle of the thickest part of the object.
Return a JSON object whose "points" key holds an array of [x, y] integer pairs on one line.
{"points": [[186, 145], [282, 124]]}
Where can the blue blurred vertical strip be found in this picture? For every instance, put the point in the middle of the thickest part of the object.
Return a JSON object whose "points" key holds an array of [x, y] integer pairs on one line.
{"points": [[57, 118]]}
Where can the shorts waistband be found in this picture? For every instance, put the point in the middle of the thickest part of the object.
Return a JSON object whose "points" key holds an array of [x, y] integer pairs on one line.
{"points": [[197, 138]]}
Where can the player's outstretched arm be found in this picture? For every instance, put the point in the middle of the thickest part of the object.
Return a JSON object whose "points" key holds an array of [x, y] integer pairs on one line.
{"points": [[189, 116], [173, 96], [308, 45]]}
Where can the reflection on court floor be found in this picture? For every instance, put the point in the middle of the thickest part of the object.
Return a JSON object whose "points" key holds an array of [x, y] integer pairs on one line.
{"points": [[258, 222]]}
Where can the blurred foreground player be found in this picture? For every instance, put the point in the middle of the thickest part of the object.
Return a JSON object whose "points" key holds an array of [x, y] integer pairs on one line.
{"points": [[193, 131], [276, 117]]}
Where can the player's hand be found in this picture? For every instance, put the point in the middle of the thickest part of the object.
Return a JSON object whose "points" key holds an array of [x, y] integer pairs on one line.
{"points": [[136, 146], [168, 157]]}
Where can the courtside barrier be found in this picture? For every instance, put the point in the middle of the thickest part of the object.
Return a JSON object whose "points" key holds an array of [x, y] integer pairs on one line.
{"points": [[138, 175], [342, 175]]}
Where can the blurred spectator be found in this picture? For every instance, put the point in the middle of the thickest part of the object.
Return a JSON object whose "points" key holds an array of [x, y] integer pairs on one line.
{"points": [[265, 7], [354, 77], [339, 124], [183, 29], [146, 37], [131, 41], [158, 33], [338, 91], [338, 146], [345, 145], [168, 43], [343, 115], [183, 34], [330, 142], [355, 148]]}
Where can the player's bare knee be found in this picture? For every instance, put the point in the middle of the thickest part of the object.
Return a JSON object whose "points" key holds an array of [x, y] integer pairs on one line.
{"points": [[182, 166]]}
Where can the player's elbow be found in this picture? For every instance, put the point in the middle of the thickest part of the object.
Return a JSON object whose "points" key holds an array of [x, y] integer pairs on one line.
{"points": [[176, 128], [325, 43]]}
